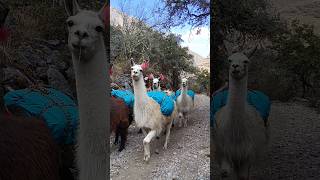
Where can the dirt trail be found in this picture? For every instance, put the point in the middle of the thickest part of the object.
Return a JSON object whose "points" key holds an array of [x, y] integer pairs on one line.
{"points": [[187, 156], [294, 149]]}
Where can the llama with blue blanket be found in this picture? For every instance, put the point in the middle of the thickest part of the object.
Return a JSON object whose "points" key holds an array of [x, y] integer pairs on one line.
{"points": [[156, 84], [147, 111], [185, 103], [240, 135]]}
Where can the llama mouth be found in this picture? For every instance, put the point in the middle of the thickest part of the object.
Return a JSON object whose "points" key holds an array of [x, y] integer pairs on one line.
{"points": [[235, 72], [135, 77], [77, 46]]}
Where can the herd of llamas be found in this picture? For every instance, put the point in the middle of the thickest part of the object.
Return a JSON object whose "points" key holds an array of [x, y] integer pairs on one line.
{"points": [[27, 146], [29, 151]]}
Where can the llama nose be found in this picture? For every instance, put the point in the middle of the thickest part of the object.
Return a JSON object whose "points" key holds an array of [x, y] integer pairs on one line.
{"points": [[235, 65], [81, 34]]}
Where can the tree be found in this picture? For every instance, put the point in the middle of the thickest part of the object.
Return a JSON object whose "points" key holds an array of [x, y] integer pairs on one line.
{"points": [[246, 22], [298, 51], [163, 50], [195, 13]]}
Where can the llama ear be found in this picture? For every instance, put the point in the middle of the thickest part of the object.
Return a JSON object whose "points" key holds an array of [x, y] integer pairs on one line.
{"points": [[72, 7], [132, 62], [102, 12]]}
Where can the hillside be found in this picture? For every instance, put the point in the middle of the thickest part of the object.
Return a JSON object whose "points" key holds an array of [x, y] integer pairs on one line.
{"points": [[307, 11], [200, 62], [116, 19]]}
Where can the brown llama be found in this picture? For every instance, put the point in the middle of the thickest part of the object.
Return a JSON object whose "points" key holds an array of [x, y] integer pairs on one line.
{"points": [[121, 118], [27, 150]]}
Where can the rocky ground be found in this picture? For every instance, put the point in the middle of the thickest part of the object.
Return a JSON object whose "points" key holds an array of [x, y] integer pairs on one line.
{"points": [[294, 149], [187, 156]]}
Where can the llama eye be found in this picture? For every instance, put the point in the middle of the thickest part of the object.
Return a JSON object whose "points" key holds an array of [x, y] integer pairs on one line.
{"points": [[246, 62], [70, 23], [140, 70], [99, 29], [229, 60]]}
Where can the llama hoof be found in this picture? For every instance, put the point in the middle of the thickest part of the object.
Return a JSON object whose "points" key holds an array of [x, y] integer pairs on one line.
{"points": [[157, 151], [165, 146], [120, 149], [146, 157], [224, 174], [185, 125]]}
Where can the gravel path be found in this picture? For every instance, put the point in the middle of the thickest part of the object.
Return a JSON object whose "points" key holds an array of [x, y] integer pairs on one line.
{"points": [[187, 156], [294, 149]]}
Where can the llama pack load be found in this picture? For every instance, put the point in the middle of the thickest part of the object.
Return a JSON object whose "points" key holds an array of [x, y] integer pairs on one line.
{"points": [[58, 110], [255, 98], [165, 102], [178, 92], [125, 95]]}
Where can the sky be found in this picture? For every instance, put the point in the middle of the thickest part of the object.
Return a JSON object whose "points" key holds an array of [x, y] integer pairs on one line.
{"points": [[198, 43]]}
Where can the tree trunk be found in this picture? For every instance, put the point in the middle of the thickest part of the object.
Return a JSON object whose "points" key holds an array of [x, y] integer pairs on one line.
{"points": [[216, 44], [4, 10]]}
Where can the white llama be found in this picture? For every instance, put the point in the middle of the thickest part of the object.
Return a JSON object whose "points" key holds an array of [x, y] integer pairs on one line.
{"points": [[88, 51], [156, 84], [147, 112], [240, 133], [184, 103]]}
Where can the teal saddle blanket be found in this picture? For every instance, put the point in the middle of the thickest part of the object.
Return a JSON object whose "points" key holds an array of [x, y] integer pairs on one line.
{"points": [[166, 102], [125, 95], [57, 109], [178, 92], [255, 98]]}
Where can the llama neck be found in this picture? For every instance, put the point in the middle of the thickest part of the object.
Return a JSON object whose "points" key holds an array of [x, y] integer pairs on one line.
{"points": [[184, 91], [237, 98], [140, 91], [91, 81]]}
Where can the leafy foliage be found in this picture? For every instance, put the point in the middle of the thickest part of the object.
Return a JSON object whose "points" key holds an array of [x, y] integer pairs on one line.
{"points": [[195, 13], [298, 52], [138, 41], [251, 19], [202, 82]]}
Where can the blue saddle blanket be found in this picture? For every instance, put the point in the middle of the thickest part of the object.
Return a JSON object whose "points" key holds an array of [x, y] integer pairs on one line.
{"points": [[126, 95], [58, 110], [255, 98], [189, 92], [165, 101]]}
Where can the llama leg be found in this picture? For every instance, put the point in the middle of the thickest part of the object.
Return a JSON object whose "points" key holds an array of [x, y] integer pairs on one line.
{"points": [[243, 173], [180, 119], [123, 134], [157, 140], [116, 140], [144, 131], [167, 135], [146, 144], [226, 168], [186, 117]]}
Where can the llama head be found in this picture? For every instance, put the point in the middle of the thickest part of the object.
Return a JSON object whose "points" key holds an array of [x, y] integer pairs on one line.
{"points": [[184, 82], [156, 83], [238, 65], [85, 29], [136, 71]]}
